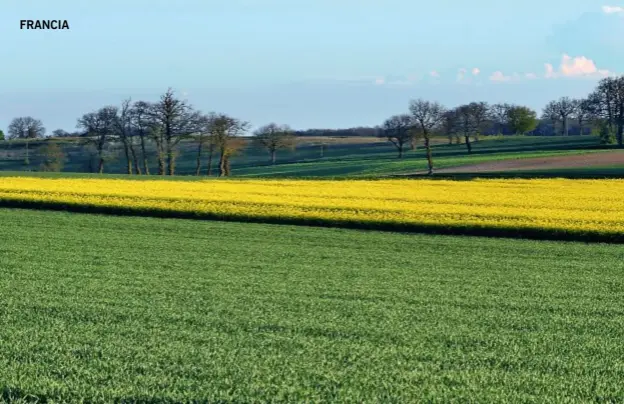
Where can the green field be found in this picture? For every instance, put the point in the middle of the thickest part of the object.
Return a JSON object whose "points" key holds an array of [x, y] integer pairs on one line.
{"points": [[341, 160], [112, 309]]}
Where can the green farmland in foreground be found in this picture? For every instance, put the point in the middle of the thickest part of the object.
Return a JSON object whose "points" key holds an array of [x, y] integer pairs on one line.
{"points": [[107, 309]]}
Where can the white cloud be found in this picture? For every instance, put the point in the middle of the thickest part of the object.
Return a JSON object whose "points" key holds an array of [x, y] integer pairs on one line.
{"points": [[476, 71], [579, 66], [613, 9], [530, 76], [379, 81], [434, 73], [499, 76]]}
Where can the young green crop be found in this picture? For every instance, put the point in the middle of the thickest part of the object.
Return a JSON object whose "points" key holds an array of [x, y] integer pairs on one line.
{"points": [[112, 309]]}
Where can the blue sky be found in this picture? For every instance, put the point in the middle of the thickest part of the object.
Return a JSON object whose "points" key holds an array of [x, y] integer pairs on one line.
{"points": [[307, 63]]}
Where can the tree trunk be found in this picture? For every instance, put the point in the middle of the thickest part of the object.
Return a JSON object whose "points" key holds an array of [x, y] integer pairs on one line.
{"points": [[468, 145], [273, 156], [160, 152], [210, 154], [198, 164], [128, 159], [169, 149], [222, 164], [137, 168], [170, 161], [161, 163], [429, 155], [400, 147], [227, 165], [101, 166], [581, 128], [144, 156], [565, 127]]}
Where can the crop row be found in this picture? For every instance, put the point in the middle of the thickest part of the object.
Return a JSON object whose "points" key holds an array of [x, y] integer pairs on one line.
{"points": [[553, 208]]}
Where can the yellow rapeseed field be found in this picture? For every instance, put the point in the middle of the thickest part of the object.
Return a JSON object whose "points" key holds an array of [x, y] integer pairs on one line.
{"points": [[555, 205]]}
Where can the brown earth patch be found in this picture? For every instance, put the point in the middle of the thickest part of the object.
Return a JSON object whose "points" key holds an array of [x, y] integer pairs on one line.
{"points": [[595, 159]]}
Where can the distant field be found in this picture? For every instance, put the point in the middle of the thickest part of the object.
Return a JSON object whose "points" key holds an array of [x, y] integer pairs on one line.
{"points": [[109, 309], [342, 157], [610, 159]]}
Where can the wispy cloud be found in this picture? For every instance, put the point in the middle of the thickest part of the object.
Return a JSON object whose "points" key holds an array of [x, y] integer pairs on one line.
{"points": [[613, 9], [499, 77], [568, 68]]}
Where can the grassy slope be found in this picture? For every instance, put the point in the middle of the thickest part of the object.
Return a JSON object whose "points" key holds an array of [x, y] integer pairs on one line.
{"points": [[112, 308], [372, 159], [375, 162]]}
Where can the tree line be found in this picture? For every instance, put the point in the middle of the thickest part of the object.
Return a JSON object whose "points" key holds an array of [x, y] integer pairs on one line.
{"points": [[602, 112], [163, 124]]}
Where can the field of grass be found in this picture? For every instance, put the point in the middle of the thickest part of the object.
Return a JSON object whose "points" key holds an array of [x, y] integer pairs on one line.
{"points": [[342, 158], [154, 310], [150, 310], [118, 309]]}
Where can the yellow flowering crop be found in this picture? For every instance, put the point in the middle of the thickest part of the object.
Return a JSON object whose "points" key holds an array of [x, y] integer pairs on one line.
{"points": [[558, 206]]}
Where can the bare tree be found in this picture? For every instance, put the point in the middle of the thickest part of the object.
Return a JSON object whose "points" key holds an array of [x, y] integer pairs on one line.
{"points": [[60, 133], [560, 111], [582, 113], [274, 137], [204, 138], [226, 132], [449, 126], [398, 129], [499, 114], [606, 103], [124, 131], [140, 118], [26, 128], [428, 116], [157, 134], [480, 113], [177, 120], [466, 123], [99, 129], [233, 147]]}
